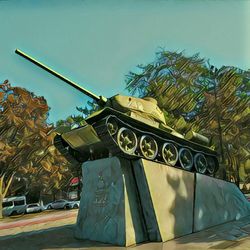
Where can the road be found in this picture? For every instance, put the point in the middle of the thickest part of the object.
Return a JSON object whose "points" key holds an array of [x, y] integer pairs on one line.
{"points": [[36, 221], [54, 230]]}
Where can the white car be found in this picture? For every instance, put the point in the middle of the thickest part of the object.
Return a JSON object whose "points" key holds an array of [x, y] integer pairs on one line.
{"points": [[59, 204], [33, 208], [74, 204]]}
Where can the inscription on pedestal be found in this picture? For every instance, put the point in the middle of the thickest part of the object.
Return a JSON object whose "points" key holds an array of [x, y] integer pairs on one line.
{"points": [[101, 192]]}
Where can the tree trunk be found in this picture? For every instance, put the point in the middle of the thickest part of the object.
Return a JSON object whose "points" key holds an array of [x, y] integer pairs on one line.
{"points": [[1, 205], [3, 191], [218, 118], [1, 197]]}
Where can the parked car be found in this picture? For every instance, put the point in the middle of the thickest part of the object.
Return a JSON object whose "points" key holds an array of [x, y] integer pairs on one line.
{"points": [[14, 205], [74, 204], [248, 196], [34, 208], [58, 204]]}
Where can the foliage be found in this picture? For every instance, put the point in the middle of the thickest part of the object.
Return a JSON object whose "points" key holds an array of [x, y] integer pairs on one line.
{"points": [[26, 141], [225, 115], [71, 121], [182, 79], [89, 109]]}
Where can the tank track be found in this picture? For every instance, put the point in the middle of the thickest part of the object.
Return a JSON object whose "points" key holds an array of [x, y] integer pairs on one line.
{"points": [[125, 140]]}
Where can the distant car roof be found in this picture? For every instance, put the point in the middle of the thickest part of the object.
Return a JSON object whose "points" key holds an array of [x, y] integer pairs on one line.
{"points": [[14, 198]]}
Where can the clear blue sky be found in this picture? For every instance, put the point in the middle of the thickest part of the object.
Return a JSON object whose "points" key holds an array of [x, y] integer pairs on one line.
{"points": [[96, 42]]}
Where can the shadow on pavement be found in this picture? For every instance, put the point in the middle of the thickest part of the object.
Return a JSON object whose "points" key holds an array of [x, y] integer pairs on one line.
{"points": [[53, 238], [62, 238]]}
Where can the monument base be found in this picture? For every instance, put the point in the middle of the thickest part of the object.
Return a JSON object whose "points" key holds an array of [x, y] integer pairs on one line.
{"points": [[127, 202], [110, 208], [217, 202], [167, 194], [178, 202]]}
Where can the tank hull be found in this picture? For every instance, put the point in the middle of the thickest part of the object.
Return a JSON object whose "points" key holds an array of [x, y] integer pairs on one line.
{"points": [[96, 140]]}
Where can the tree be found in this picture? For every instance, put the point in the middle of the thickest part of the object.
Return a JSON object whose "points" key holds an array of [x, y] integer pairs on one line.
{"points": [[181, 78], [225, 117], [195, 97], [26, 141]]}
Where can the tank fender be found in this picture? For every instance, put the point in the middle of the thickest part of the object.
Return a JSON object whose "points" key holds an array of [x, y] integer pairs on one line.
{"points": [[81, 137]]}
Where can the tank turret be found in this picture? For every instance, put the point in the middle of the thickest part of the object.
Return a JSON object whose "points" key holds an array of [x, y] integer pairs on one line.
{"points": [[131, 127]]}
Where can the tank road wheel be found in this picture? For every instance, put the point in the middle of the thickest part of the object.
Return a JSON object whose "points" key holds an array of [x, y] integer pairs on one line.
{"points": [[112, 126], [186, 159], [210, 165], [169, 153], [127, 140], [148, 147], [200, 163]]}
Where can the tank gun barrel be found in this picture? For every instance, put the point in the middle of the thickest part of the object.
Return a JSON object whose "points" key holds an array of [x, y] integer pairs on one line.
{"points": [[100, 99]]}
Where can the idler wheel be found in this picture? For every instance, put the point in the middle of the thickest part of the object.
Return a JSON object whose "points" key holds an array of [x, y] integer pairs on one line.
{"points": [[200, 163], [127, 140], [148, 147], [210, 165], [112, 126], [186, 159], [169, 153]]}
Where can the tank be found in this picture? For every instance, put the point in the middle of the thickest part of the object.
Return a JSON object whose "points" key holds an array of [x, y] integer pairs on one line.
{"points": [[132, 128]]}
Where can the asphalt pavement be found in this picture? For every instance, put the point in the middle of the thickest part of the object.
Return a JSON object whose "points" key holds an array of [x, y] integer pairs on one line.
{"points": [[31, 223], [55, 229]]}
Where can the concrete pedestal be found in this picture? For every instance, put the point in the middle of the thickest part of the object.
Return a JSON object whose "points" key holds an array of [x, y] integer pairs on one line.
{"points": [[127, 202], [217, 202], [167, 199], [109, 207]]}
